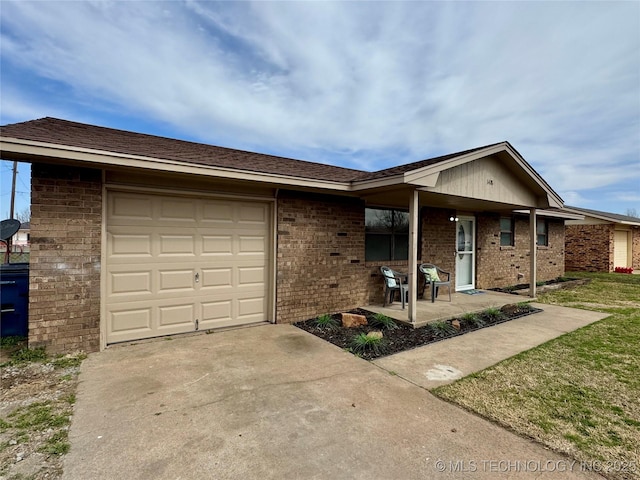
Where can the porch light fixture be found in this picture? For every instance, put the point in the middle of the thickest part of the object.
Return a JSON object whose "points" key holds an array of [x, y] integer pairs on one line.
{"points": [[453, 219]]}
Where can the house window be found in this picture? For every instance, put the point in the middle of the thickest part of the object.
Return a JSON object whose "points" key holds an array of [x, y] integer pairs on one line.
{"points": [[542, 231], [386, 234], [507, 235]]}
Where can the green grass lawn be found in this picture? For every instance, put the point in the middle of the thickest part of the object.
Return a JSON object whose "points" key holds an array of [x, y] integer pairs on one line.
{"points": [[580, 393]]}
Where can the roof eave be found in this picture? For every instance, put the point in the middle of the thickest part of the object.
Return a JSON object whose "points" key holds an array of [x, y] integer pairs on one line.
{"points": [[13, 147], [606, 218], [428, 176]]}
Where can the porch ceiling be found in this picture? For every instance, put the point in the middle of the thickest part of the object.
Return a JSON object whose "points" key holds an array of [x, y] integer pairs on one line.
{"points": [[399, 197]]}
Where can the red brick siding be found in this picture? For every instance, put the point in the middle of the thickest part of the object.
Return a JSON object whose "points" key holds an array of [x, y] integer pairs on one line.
{"points": [[64, 278], [320, 256], [498, 266], [439, 239], [589, 248]]}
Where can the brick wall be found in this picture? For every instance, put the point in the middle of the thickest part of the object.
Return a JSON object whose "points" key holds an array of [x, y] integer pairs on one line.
{"points": [[439, 240], [64, 277], [320, 256], [589, 248], [503, 266]]}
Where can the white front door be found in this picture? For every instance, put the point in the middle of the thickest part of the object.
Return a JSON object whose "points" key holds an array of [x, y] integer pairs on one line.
{"points": [[465, 253]]}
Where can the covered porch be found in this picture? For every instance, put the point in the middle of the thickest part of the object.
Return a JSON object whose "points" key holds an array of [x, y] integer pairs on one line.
{"points": [[461, 303], [475, 215]]}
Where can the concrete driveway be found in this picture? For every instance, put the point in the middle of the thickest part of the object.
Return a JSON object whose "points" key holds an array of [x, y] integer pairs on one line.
{"points": [[276, 402]]}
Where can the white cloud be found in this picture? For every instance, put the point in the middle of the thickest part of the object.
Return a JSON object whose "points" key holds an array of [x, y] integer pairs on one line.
{"points": [[364, 84]]}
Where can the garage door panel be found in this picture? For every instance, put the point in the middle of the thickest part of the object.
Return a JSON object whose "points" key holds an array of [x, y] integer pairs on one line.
{"points": [[217, 277], [176, 281], [123, 245], [129, 324], [152, 264], [252, 214], [251, 244], [251, 276], [217, 245], [130, 206], [217, 212], [251, 308], [173, 315], [130, 282], [182, 210], [172, 245], [213, 312]]}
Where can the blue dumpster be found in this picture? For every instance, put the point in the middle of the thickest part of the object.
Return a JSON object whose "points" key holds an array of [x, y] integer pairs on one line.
{"points": [[14, 297]]}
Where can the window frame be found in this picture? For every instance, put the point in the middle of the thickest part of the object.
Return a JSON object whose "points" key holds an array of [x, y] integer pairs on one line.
{"points": [[511, 232], [545, 235], [393, 235]]}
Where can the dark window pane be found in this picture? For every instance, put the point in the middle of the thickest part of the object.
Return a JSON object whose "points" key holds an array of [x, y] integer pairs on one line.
{"points": [[400, 222], [377, 247], [542, 240], [541, 227], [401, 247], [506, 239], [378, 220], [505, 225]]}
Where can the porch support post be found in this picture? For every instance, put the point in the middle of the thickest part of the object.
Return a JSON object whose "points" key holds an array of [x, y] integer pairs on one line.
{"points": [[533, 267], [413, 254]]}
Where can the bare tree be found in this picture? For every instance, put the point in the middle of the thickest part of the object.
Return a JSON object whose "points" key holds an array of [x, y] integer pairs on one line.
{"points": [[632, 212], [24, 215]]}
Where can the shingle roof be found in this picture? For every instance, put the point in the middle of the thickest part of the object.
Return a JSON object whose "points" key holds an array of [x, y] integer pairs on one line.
{"points": [[614, 217], [401, 169], [74, 134], [65, 132]]}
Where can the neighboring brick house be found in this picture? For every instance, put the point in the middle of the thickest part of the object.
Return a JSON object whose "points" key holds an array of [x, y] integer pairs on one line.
{"points": [[601, 241], [136, 236]]}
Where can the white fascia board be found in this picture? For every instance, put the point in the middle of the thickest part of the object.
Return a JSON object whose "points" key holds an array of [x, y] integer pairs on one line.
{"points": [[377, 183], [552, 214], [92, 157]]}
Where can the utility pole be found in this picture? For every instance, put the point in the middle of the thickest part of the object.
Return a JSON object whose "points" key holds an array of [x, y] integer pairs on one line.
{"points": [[11, 209], [13, 188]]}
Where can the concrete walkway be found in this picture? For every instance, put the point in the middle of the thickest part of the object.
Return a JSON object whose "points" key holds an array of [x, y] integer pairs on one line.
{"points": [[444, 362], [276, 402]]}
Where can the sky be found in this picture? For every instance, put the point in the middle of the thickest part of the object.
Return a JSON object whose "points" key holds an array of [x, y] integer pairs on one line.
{"points": [[364, 85]]}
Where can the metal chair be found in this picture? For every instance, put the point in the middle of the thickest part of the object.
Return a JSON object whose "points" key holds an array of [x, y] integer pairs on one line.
{"points": [[433, 277], [394, 282]]}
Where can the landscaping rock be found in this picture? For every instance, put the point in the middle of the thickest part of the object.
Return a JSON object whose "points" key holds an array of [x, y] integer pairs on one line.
{"points": [[352, 320], [375, 334], [455, 324]]}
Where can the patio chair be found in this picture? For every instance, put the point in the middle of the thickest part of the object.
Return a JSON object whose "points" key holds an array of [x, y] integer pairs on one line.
{"points": [[394, 282], [434, 278]]}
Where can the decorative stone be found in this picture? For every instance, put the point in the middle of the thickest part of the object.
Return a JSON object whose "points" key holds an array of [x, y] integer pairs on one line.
{"points": [[375, 334], [351, 320], [455, 324]]}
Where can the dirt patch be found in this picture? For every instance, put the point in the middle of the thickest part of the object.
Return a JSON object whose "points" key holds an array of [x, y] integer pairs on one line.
{"points": [[36, 404], [398, 337]]}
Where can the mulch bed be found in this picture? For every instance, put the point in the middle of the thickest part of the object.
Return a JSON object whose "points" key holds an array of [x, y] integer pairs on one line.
{"points": [[405, 337]]}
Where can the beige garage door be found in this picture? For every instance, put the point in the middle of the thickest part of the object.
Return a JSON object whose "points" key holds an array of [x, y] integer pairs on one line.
{"points": [[179, 264], [621, 249]]}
